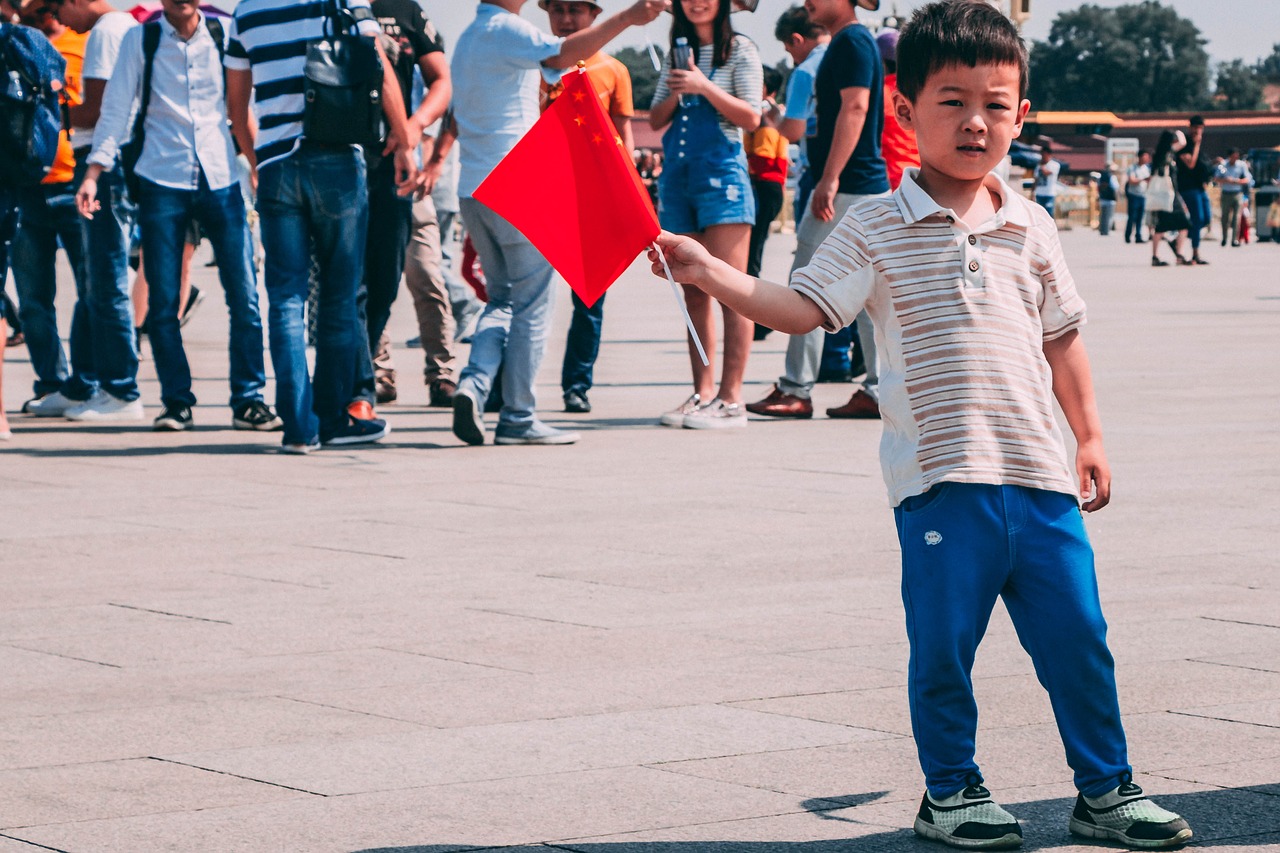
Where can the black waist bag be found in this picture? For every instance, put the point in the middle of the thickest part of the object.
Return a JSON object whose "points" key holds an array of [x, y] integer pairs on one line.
{"points": [[342, 85]]}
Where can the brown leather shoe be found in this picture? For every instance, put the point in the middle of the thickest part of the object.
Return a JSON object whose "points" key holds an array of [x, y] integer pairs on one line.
{"points": [[861, 405], [780, 405], [441, 393]]}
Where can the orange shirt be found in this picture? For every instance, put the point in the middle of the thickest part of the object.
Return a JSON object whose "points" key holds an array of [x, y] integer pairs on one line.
{"points": [[71, 45], [611, 80], [767, 155], [897, 145]]}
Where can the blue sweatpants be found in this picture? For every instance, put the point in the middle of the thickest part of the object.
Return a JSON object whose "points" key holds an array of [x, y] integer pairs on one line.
{"points": [[964, 545]]}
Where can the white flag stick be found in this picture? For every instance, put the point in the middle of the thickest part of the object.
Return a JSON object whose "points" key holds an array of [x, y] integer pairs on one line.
{"points": [[653, 52], [675, 289]]}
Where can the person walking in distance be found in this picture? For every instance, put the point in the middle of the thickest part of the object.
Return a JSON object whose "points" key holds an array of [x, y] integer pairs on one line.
{"points": [[1136, 178], [1194, 174]]}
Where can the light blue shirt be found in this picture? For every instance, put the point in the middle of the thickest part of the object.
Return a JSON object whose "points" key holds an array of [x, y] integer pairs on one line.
{"points": [[496, 67], [186, 124], [801, 103], [1237, 170]]}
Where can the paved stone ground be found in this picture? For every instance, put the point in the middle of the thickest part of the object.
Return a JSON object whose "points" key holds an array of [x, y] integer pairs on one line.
{"points": [[656, 641]]}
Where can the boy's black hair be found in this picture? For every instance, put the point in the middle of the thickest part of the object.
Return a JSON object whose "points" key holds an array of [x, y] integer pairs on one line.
{"points": [[957, 32], [796, 21], [772, 80]]}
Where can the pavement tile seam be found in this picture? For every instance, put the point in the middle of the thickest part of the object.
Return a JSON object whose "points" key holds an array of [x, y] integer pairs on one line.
{"points": [[888, 735], [1232, 665], [357, 711], [235, 776], [32, 844], [1185, 713], [64, 657], [167, 613]]}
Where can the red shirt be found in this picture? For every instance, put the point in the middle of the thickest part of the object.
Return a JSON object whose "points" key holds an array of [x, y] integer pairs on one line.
{"points": [[897, 145]]}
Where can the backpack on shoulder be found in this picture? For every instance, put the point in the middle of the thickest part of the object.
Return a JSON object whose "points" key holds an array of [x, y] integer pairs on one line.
{"points": [[342, 86], [32, 111]]}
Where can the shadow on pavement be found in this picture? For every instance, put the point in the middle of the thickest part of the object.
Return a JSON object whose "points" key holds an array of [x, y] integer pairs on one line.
{"points": [[1228, 817]]}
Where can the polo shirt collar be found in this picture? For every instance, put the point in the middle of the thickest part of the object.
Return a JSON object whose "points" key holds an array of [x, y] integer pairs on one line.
{"points": [[915, 204]]}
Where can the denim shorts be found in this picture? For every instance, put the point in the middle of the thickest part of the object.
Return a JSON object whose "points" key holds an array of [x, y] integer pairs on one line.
{"points": [[694, 196]]}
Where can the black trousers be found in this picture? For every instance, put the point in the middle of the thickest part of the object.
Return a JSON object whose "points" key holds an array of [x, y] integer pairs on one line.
{"points": [[768, 205], [390, 221]]}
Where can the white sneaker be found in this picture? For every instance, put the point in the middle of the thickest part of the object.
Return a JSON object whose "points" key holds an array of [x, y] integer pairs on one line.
{"points": [[53, 405], [717, 415], [675, 417], [1124, 814], [969, 820], [103, 407]]}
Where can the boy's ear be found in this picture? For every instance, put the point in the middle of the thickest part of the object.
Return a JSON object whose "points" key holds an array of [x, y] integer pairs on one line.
{"points": [[903, 111], [1023, 109]]}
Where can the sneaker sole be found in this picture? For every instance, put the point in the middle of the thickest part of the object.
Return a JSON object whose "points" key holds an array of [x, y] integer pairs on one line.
{"points": [[795, 416], [671, 419], [167, 425], [1085, 830], [715, 423], [269, 426], [515, 440], [927, 830], [345, 440], [114, 417], [468, 425]]}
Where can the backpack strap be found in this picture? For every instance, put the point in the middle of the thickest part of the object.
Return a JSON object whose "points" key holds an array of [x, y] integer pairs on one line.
{"points": [[219, 35], [150, 44]]}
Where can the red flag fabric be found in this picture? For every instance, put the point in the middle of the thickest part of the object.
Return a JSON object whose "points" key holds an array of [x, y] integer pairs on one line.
{"points": [[570, 188]]}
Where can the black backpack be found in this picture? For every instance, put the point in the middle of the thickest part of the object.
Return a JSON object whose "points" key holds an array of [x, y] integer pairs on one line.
{"points": [[342, 83], [132, 150], [32, 110]]}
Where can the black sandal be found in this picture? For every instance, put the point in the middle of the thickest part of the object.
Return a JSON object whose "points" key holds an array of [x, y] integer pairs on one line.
{"points": [[1183, 262], [1156, 262]]}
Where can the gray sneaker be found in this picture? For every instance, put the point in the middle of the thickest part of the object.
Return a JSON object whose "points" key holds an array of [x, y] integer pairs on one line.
{"points": [[53, 405], [717, 415], [468, 417], [104, 407], [969, 819], [535, 433], [675, 417], [1127, 816]]}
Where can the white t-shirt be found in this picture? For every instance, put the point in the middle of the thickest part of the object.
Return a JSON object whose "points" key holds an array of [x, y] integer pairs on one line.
{"points": [[1139, 177], [101, 51], [1047, 179]]}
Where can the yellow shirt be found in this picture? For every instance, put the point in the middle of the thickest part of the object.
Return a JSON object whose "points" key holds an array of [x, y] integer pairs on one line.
{"points": [[612, 82]]}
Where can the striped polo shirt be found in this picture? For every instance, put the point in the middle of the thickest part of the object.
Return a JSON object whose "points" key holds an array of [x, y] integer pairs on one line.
{"points": [[961, 316], [269, 38]]}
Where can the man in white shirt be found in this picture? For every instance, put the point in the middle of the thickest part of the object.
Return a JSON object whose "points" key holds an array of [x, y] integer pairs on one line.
{"points": [[186, 170], [1234, 179], [1135, 191], [1047, 179], [115, 354]]}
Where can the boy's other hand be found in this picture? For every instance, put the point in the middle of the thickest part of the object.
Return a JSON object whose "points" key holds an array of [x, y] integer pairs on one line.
{"points": [[1095, 476], [687, 258]]}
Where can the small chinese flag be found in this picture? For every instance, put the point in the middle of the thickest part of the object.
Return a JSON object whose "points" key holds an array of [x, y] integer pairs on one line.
{"points": [[570, 187]]}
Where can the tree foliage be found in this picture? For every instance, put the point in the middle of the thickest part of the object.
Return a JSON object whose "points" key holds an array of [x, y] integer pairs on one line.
{"points": [[1141, 57], [1269, 66], [644, 80], [1239, 87]]}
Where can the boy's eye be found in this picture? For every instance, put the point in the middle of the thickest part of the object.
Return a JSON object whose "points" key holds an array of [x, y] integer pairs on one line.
{"points": [[996, 106], [954, 102]]}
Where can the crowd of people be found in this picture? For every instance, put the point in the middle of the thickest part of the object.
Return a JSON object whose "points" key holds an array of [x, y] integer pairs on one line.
{"points": [[181, 130]]}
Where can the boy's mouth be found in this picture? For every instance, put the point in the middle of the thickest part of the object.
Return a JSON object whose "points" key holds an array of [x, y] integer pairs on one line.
{"points": [[972, 149]]}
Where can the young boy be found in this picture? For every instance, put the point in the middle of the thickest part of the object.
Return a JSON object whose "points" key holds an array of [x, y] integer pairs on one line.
{"points": [[978, 318]]}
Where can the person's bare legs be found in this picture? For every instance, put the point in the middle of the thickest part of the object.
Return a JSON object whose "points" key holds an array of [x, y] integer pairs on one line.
{"points": [[731, 243]]}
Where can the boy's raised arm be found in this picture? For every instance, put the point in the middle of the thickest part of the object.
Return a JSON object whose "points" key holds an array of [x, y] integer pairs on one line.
{"points": [[775, 306], [1073, 388]]}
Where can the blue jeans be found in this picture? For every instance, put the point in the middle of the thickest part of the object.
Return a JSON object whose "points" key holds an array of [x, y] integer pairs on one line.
{"points": [[164, 217], [48, 217], [965, 545], [106, 243], [1106, 210], [315, 194], [1199, 212], [1137, 212], [582, 346], [1047, 202], [512, 332]]}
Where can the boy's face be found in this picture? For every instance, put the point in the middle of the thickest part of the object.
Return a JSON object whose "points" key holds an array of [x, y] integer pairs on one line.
{"points": [[828, 13], [965, 118], [568, 17]]}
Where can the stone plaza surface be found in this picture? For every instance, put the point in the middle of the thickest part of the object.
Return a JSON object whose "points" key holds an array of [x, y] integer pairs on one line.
{"points": [[655, 641]]}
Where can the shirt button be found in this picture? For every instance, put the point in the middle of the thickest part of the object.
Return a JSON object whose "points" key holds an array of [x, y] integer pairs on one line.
{"points": [[951, 219], [973, 266], [973, 241]]}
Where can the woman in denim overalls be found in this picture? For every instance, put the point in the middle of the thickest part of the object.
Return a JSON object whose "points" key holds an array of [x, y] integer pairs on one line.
{"points": [[705, 191]]}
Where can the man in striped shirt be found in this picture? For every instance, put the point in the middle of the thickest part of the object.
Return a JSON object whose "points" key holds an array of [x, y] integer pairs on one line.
{"points": [[978, 320], [309, 195]]}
